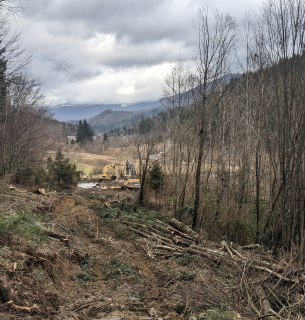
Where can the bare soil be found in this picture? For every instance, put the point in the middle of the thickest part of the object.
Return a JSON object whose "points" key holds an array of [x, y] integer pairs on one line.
{"points": [[99, 270]]}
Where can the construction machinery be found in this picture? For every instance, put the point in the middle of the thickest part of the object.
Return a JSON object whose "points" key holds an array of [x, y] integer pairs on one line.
{"points": [[108, 173], [130, 178]]}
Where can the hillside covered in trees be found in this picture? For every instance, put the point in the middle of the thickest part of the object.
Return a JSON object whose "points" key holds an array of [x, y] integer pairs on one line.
{"points": [[236, 151], [232, 150], [225, 157]]}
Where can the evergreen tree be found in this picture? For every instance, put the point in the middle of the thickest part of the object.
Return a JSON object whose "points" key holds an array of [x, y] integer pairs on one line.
{"points": [[156, 177], [84, 132], [62, 173]]}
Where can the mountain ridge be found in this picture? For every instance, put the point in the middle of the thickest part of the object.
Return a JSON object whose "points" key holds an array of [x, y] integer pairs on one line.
{"points": [[73, 113]]}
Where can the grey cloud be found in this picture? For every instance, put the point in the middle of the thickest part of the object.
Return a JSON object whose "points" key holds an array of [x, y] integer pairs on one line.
{"points": [[132, 20], [89, 51], [73, 69]]}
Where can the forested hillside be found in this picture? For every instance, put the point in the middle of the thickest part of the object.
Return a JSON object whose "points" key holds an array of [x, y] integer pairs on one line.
{"points": [[225, 159], [252, 155], [232, 152], [234, 157], [26, 130]]}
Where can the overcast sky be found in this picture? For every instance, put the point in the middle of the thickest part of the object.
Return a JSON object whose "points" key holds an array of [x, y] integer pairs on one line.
{"points": [[112, 51]]}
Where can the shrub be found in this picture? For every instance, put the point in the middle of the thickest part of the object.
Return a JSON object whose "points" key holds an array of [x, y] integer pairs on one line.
{"points": [[83, 277], [116, 269], [185, 259], [22, 224], [186, 276], [219, 314], [62, 173], [86, 262]]}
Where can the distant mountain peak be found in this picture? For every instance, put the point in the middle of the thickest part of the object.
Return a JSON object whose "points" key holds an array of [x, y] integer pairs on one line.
{"points": [[75, 112]]}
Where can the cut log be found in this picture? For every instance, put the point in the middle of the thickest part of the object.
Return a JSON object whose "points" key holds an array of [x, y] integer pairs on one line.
{"points": [[208, 255], [42, 191], [276, 274], [170, 230], [182, 241], [132, 223], [143, 234], [163, 233], [161, 227], [230, 251], [251, 246], [264, 301], [61, 237], [5, 289], [159, 237], [182, 227], [164, 247], [11, 304]]}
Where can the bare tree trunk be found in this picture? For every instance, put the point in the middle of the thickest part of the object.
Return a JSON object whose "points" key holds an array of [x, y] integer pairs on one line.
{"points": [[215, 48]]}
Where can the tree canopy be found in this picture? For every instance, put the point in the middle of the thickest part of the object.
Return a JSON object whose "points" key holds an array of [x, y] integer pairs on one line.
{"points": [[84, 132]]}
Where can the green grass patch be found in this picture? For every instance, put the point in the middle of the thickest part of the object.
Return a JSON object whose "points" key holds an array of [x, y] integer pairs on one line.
{"points": [[39, 276], [137, 217], [218, 314], [186, 259], [23, 224], [86, 262], [186, 276], [83, 277], [116, 269]]}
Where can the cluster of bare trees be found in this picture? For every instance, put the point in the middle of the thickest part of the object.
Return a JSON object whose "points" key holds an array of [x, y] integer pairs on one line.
{"points": [[23, 126], [235, 151]]}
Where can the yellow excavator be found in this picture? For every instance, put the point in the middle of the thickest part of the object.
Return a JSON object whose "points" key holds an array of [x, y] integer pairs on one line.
{"points": [[130, 178], [108, 173]]}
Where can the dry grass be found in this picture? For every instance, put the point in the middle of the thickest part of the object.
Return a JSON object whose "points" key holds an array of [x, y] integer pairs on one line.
{"points": [[90, 162]]}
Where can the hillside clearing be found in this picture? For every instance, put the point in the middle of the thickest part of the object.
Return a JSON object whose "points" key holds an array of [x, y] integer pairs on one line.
{"points": [[106, 258]]}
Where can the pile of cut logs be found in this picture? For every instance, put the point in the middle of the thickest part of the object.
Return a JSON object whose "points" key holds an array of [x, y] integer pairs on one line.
{"points": [[176, 239]]}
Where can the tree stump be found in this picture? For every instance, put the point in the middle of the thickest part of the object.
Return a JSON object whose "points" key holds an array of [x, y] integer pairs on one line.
{"points": [[6, 292]]}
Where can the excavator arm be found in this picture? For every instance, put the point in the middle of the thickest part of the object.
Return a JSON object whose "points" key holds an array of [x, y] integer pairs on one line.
{"points": [[130, 170], [131, 181], [108, 167]]}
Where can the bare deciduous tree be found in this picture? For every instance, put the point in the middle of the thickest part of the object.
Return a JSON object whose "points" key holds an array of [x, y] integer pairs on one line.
{"points": [[23, 126], [178, 94], [282, 28], [216, 42], [145, 140]]}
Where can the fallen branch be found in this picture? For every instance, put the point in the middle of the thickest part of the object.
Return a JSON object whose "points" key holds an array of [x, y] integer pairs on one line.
{"points": [[251, 246], [167, 228], [215, 255], [129, 223], [182, 241], [226, 246], [61, 237], [276, 274], [185, 229], [143, 234], [174, 248]]}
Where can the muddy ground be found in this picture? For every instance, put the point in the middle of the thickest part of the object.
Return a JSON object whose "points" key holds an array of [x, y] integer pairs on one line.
{"points": [[91, 267]]}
